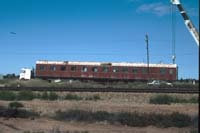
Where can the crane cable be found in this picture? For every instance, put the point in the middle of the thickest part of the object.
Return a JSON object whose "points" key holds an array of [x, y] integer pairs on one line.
{"points": [[173, 26]]}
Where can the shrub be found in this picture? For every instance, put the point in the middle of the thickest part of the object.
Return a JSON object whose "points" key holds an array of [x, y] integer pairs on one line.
{"points": [[48, 96], [81, 115], [15, 105], [72, 97], [129, 119], [13, 111], [195, 121], [102, 116], [7, 95], [44, 96], [52, 96], [194, 100], [26, 114], [161, 99], [94, 97], [178, 120], [167, 99], [25, 95]]}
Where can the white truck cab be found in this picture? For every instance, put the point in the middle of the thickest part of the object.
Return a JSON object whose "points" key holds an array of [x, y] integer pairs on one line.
{"points": [[25, 74]]}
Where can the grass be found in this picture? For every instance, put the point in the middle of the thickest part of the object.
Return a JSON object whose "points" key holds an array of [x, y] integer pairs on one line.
{"points": [[178, 84], [7, 95], [25, 95], [168, 99], [112, 104], [47, 96], [93, 98], [88, 84], [78, 98], [73, 97], [129, 119], [29, 95]]}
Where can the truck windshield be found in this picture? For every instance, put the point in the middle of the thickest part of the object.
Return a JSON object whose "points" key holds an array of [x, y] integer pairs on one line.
{"points": [[23, 71]]}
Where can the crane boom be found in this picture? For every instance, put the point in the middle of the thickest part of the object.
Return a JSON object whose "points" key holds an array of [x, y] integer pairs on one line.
{"points": [[188, 22]]}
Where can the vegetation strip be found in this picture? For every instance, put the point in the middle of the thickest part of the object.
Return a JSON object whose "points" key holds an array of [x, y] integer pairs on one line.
{"points": [[128, 90], [13, 111], [168, 99], [129, 119], [29, 95]]}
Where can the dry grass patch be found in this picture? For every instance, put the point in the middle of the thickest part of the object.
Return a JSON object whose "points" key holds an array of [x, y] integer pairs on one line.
{"points": [[110, 102]]}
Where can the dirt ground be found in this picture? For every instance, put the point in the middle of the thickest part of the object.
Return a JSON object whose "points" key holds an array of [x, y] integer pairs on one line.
{"points": [[52, 126], [110, 102]]}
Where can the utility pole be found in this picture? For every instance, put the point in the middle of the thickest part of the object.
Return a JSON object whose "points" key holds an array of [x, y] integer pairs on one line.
{"points": [[173, 33], [147, 46]]}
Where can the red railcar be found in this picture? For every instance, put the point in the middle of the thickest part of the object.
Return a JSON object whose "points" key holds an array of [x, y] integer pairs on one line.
{"points": [[105, 71]]}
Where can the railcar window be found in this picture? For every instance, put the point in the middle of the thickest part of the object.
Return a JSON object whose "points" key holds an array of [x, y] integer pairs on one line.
{"points": [[73, 68], [115, 69], [105, 69], [52, 68], [125, 69], [84, 69], [162, 70], [135, 70], [95, 69], [171, 71], [63, 68], [42, 67]]}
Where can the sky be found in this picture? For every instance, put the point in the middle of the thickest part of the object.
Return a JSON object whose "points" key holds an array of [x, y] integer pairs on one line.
{"points": [[98, 31]]}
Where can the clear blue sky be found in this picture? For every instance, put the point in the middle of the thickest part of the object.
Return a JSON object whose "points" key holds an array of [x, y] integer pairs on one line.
{"points": [[95, 30]]}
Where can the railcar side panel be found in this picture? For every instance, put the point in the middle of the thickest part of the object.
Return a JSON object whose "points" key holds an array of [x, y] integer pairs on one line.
{"points": [[105, 72]]}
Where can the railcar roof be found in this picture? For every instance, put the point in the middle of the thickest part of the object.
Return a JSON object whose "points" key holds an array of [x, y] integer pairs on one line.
{"points": [[105, 63]]}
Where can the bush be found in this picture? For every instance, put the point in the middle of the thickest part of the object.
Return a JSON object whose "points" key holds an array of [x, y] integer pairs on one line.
{"points": [[52, 96], [26, 114], [81, 115], [15, 105], [13, 111], [44, 96], [194, 100], [178, 120], [95, 98], [72, 97], [167, 99], [7, 95], [195, 121], [102, 116], [161, 99], [48, 96], [25, 95], [129, 119]]}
